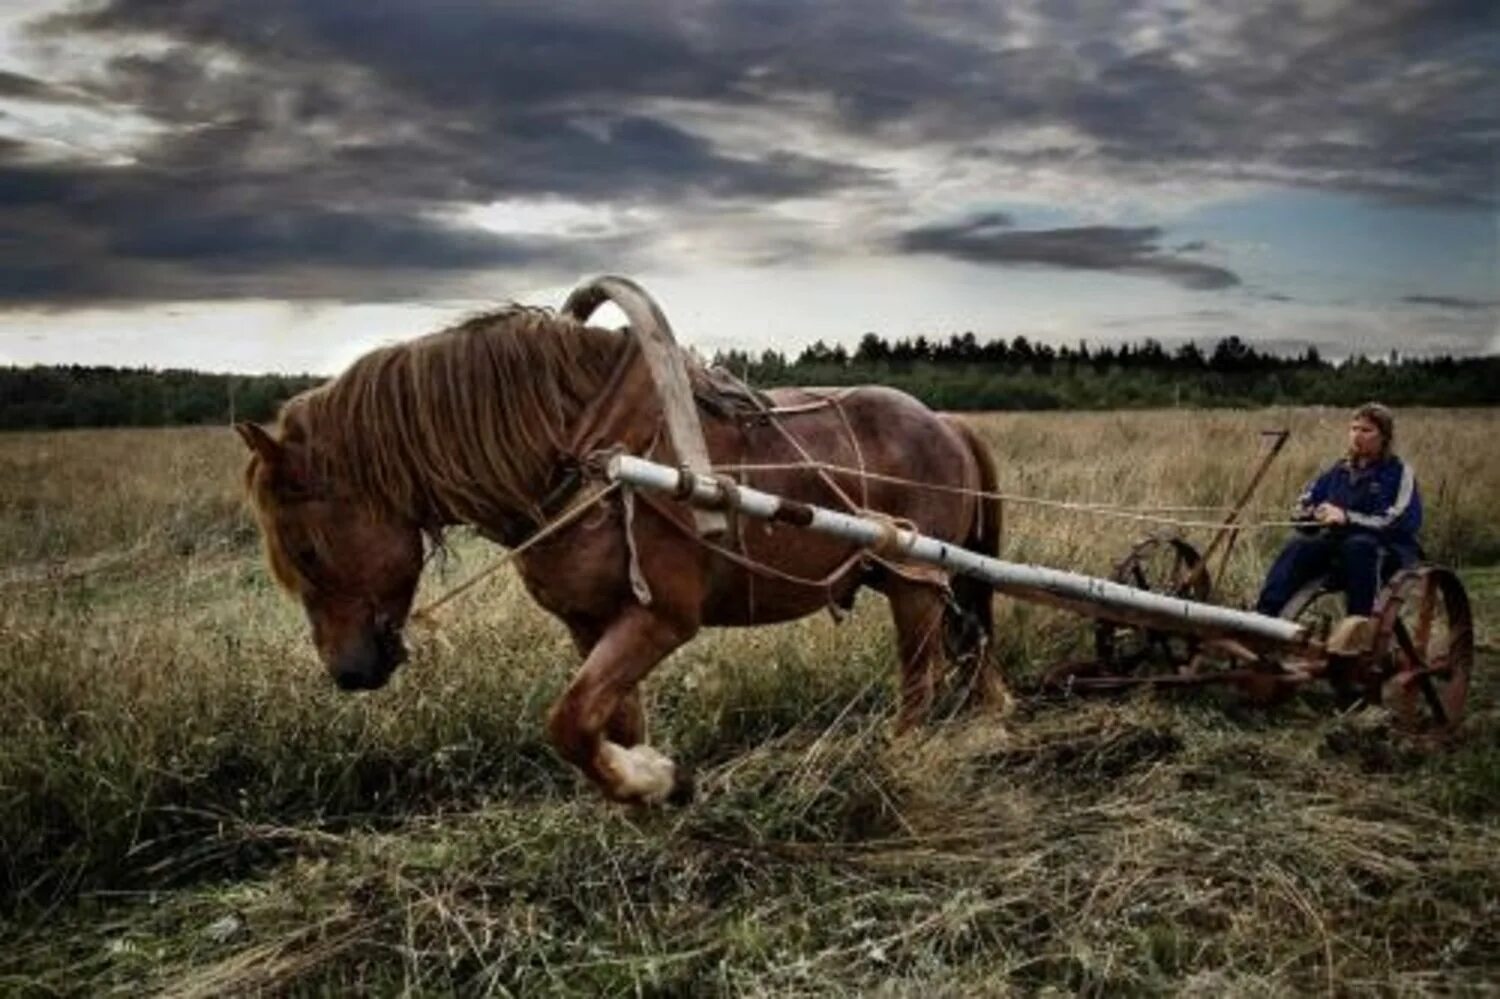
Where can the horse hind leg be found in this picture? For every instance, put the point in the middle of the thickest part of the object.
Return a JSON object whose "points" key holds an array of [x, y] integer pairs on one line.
{"points": [[972, 613], [967, 637], [917, 609], [602, 705]]}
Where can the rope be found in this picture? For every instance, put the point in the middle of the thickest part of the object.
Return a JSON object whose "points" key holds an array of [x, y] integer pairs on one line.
{"points": [[1121, 513], [1140, 515], [888, 545], [750, 564], [859, 454], [811, 462], [424, 615]]}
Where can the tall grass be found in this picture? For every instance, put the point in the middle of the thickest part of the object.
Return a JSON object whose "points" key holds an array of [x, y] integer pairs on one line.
{"points": [[185, 804]]}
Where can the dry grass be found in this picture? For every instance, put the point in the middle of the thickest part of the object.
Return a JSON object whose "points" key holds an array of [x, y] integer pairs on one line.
{"points": [[185, 807]]}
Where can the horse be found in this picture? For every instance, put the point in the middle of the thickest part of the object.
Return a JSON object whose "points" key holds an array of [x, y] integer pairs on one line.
{"points": [[492, 423]]}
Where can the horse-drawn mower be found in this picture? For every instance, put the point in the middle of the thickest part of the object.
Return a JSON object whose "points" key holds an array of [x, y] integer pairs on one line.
{"points": [[1413, 655]]}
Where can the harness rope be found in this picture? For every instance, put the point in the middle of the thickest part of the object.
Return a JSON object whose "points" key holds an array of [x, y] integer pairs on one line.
{"points": [[1097, 509], [424, 615]]}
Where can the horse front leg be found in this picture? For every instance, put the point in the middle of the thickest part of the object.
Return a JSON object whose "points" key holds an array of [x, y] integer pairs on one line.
{"points": [[597, 724], [627, 725]]}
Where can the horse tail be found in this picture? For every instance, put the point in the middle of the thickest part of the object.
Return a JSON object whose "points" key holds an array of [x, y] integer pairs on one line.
{"points": [[970, 620]]}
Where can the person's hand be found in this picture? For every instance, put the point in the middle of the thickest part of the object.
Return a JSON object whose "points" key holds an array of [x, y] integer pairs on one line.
{"points": [[1330, 515]]}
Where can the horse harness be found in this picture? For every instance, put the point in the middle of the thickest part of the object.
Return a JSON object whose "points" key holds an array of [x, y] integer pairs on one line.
{"points": [[609, 425]]}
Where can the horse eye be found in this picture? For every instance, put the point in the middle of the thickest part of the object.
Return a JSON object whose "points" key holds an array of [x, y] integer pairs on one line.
{"points": [[307, 556]]}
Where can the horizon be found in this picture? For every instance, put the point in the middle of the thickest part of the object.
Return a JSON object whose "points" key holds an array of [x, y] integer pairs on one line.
{"points": [[1064, 352]]}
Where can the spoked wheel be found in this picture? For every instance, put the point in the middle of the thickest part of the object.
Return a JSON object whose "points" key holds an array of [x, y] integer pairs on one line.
{"points": [[1162, 564], [1424, 648]]}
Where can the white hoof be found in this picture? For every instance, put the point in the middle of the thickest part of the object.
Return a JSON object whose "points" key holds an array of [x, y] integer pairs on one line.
{"points": [[640, 773]]}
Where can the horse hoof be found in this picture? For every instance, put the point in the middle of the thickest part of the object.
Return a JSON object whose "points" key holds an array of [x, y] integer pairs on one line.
{"points": [[684, 787]]}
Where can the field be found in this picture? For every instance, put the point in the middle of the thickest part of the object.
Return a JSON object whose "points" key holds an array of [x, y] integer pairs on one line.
{"points": [[188, 807]]}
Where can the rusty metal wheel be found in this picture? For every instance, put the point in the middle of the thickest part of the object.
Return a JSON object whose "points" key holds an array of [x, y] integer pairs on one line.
{"points": [[1161, 563], [1424, 648]]}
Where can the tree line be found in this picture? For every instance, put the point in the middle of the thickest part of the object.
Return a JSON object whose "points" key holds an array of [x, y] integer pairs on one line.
{"points": [[963, 372], [959, 372], [90, 396]]}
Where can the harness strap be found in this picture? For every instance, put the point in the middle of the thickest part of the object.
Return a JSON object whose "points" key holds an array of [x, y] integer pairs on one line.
{"points": [[426, 614]]}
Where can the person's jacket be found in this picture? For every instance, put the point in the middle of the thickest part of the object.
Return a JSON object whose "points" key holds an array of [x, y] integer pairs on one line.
{"points": [[1381, 498]]}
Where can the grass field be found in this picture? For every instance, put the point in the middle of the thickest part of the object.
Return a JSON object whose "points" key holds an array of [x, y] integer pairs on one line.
{"points": [[187, 807]]}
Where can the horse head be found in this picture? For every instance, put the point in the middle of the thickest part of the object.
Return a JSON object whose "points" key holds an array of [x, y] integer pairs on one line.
{"points": [[354, 567]]}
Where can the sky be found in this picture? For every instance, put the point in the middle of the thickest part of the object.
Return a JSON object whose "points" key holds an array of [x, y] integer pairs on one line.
{"points": [[280, 185]]}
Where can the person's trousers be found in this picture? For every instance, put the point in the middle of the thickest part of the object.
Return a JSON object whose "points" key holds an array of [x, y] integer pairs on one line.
{"points": [[1356, 561]]}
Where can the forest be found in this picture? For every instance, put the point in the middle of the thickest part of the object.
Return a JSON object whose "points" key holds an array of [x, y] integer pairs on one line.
{"points": [[961, 372]]}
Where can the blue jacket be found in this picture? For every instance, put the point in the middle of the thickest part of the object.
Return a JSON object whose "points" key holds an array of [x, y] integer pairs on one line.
{"points": [[1381, 498]]}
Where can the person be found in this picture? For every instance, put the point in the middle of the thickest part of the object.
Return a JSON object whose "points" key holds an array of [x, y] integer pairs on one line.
{"points": [[1363, 515]]}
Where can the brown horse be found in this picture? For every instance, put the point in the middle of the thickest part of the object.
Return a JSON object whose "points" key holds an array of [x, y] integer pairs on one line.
{"points": [[489, 424]]}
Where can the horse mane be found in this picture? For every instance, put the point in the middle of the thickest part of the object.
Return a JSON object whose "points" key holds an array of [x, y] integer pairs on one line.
{"points": [[464, 424]]}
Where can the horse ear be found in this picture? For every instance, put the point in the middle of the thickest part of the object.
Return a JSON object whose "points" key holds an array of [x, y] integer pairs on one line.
{"points": [[260, 442], [289, 474]]}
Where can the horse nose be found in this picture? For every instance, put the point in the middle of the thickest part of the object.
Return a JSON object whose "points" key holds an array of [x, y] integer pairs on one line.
{"points": [[357, 666], [349, 679]]}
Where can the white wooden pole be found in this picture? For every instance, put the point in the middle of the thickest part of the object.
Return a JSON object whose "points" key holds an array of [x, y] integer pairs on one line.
{"points": [[1088, 594]]}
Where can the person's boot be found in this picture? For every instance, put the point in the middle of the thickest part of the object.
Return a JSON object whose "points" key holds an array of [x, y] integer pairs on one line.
{"points": [[1352, 636]]}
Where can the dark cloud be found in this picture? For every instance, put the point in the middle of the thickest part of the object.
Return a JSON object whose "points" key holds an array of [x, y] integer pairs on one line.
{"points": [[247, 240], [306, 131], [988, 239], [1397, 98], [75, 235], [1450, 302], [302, 145], [18, 86], [463, 55], [202, 201]]}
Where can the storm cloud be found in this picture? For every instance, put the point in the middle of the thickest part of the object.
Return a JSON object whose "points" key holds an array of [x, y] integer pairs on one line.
{"points": [[989, 239], [19, 86], [1450, 302], [330, 149]]}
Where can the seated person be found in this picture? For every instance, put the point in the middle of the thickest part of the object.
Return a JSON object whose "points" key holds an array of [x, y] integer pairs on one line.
{"points": [[1363, 516]]}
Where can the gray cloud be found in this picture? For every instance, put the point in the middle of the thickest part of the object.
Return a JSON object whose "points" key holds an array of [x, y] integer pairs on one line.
{"points": [[77, 235], [18, 86], [301, 142], [1450, 302], [308, 150], [292, 177], [1396, 98], [989, 239]]}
